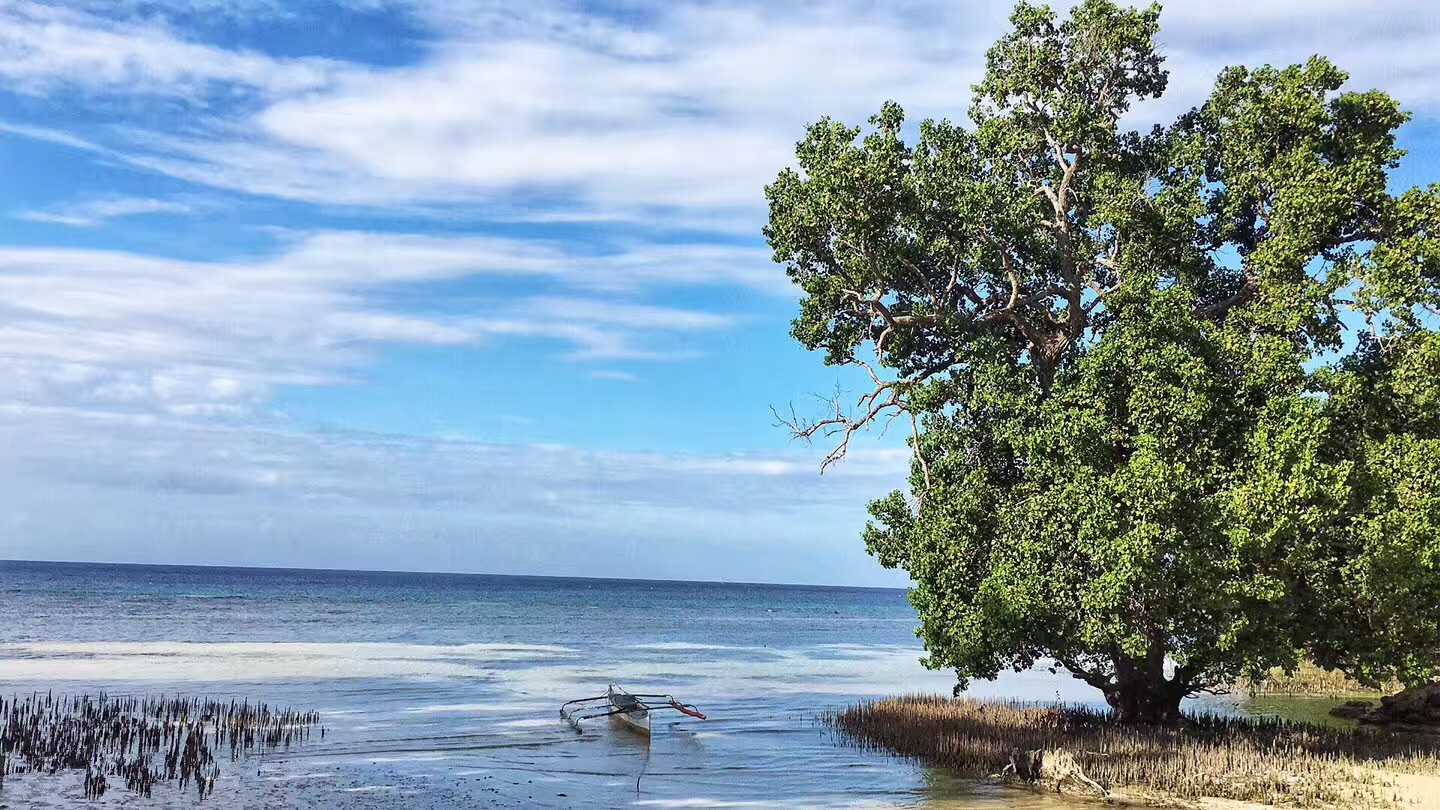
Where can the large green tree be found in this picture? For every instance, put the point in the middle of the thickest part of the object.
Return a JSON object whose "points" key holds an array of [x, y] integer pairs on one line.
{"points": [[1175, 394]]}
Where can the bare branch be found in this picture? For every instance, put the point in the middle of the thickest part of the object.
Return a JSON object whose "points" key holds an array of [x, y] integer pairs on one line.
{"points": [[844, 424], [920, 457], [1111, 261]]}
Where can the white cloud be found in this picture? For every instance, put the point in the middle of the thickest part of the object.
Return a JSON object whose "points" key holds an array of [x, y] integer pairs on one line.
{"points": [[611, 313], [377, 258], [43, 47], [1393, 46], [614, 374], [695, 116], [113, 364], [134, 331], [55, 136], [679, 115], [599, 328], [151, 8], [162, 488], [98, 210]]}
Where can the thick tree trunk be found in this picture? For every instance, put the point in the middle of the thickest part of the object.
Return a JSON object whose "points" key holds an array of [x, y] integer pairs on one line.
{"points": [[1136, 688], [1145, 698]]}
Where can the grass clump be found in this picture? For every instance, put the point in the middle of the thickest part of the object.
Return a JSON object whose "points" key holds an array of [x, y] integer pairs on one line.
{"points": [[1266, 761]]}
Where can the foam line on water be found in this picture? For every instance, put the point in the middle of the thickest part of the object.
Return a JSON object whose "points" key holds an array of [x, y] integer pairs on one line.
{"points": [[468, 708], [820, 669], [515, 651], [244, 661], [687, 645]]}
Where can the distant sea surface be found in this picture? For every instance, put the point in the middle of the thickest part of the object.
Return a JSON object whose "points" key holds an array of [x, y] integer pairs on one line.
{"points": [[443, 690]]}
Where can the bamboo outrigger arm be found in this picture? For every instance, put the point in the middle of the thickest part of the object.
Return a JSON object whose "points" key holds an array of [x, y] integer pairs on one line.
{"points": [[634, 709]]}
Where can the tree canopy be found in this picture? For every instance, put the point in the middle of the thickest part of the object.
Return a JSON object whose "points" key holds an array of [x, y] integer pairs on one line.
{"points": [[1175, 393]]}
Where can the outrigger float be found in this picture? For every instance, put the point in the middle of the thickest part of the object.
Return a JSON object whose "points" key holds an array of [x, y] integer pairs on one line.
{"points": [[632, 710]]}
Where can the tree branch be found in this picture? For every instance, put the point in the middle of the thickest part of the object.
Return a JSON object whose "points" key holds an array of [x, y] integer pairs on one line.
{"points": [[1248, 287], [844, 424], [1096, 679]]}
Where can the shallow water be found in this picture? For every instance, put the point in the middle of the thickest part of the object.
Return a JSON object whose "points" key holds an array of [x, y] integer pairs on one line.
{"points": [[441, 691], [1312, 709]]}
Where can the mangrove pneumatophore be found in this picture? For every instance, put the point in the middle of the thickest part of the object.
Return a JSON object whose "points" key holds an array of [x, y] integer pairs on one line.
{"points": [[140, 740]]}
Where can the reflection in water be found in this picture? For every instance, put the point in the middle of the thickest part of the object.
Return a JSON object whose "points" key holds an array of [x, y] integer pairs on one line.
{"points": [[945, 791], [1299, 708]]}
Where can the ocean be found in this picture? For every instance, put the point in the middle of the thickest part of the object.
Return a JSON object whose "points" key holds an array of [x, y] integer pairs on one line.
{"points": [[443, 690]]}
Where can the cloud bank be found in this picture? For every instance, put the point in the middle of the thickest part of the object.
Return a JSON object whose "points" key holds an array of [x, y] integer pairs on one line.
{"points": [[161, 489], [685, 108], [532, 181], [114, 329]]}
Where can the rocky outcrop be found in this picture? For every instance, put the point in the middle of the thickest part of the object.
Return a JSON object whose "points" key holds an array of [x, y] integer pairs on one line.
{"points": [[1418, 706], [1353, 709]]}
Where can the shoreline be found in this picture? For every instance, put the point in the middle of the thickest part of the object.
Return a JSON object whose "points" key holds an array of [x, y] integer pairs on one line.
{"points": [[1364, 784], [437, 694], [1210, 762]]}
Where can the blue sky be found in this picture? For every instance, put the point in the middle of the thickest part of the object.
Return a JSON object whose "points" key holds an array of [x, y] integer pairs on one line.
{"points": [[472, 285]]}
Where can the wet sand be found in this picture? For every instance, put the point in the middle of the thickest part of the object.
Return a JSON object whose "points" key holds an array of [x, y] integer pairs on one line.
{"points": [[469, 789]]}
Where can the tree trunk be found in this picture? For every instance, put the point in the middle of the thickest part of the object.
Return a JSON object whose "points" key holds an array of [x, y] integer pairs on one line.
{"points": [[1139, 698]]}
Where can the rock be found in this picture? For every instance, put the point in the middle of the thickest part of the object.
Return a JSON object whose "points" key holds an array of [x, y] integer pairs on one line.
{"points": [[1418, 706], [1352, 709]]}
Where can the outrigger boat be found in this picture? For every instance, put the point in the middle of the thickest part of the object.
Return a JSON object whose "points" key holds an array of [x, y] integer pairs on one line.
{"points": [[632, 710]]}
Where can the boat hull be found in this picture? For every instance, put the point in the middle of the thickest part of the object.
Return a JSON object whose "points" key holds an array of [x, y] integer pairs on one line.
{"points": [[628, 711]]}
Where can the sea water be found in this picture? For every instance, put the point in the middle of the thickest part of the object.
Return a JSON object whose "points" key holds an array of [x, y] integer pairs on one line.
{"points": [[441, 690]]}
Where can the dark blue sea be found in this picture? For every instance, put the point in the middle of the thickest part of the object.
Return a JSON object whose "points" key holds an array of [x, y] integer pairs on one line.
{"points": [[442, 690]]}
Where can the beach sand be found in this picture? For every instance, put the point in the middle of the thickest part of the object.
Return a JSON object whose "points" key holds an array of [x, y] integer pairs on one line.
{"points": [[64, 790], [317, 790]]}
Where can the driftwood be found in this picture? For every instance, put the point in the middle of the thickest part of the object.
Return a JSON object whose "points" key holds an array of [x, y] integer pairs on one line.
{"points": [[1051, 766]]}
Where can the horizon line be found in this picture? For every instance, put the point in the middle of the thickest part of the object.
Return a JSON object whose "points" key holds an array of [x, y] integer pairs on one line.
{"points": [[453, 573]]}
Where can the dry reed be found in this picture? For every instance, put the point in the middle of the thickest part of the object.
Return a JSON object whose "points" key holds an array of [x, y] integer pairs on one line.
{"points": [[141, 741], [1312, 680], [1257, 760]]}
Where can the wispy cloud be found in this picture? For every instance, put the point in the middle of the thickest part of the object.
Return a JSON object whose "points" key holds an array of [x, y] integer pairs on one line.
{"points": [[168, 8], [695, 115], [378, 257], [45, 47], [680, 112], [158, 488], [98, 210], [52, 135], [614, 374], [136, 331]]}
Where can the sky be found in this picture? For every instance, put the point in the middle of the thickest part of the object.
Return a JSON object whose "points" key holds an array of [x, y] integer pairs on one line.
{"points": [[471, 285]]}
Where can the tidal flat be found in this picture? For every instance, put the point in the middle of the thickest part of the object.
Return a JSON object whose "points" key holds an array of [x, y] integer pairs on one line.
{"points": [[442, 691]]}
